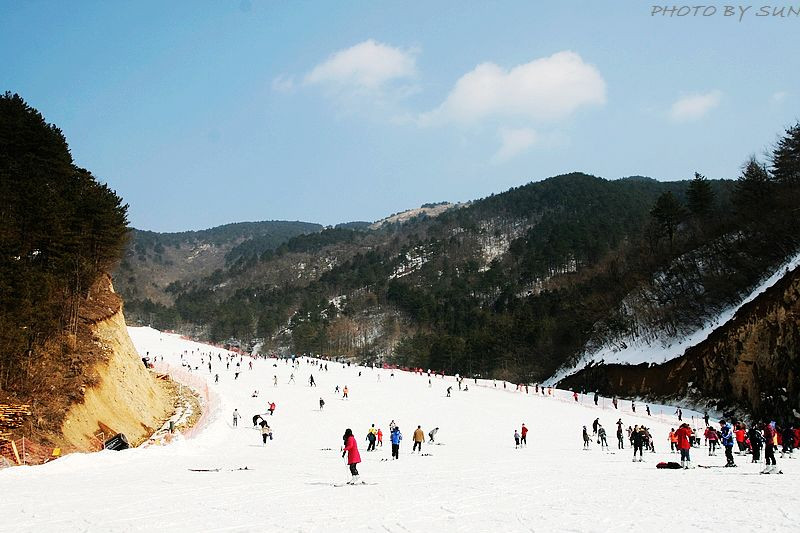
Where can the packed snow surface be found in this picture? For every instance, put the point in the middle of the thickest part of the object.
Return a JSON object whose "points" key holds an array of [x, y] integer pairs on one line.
{"points": [[474, 481], [663, 349]]}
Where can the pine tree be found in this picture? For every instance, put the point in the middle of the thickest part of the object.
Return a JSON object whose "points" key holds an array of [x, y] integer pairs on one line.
{"points": [[668, 213], [786, 158], [753, 190], [700, 196]]}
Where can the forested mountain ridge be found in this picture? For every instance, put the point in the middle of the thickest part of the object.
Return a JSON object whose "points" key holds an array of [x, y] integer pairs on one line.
{"points": [[153, 261], [515, 285]]}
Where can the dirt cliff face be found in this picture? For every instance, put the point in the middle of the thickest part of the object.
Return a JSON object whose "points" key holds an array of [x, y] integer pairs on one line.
{"points": [[127, 398], [751, 364]]}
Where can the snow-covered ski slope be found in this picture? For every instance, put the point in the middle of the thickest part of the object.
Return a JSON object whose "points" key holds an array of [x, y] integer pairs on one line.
{"points": [[663, 349], [475, 481]]}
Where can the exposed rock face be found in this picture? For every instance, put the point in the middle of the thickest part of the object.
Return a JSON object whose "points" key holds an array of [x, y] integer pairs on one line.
{"points": [[751, 364], [127, 399]]}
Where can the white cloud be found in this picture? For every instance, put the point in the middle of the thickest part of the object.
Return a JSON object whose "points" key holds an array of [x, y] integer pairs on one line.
{"points": [[283, 83], [514, 141], [547, 88], [365, 67], [694, 106], [779, 97]]}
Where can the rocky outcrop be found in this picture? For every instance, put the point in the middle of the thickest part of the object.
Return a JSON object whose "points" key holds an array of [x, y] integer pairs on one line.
{"points": [[127, 398], [750, 364]]}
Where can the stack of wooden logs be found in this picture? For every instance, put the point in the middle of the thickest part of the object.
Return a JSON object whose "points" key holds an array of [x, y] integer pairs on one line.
{"points": [[11, 417]]}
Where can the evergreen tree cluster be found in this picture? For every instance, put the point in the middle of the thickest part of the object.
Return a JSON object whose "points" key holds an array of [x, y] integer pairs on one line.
{"points": [[60, 229]]}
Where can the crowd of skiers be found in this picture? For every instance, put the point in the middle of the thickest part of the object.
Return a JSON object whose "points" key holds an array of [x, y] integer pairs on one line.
{"points": [[746, 441]]}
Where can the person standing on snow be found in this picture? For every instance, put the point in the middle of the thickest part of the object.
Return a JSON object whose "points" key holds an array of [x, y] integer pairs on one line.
{"points": [[620, 439], [673, 441], [683, 434], [727, 442], [523, 435], [396, 437], [601, 437], [585, 438], [419, 438], [432, 434], [711, 436], [516, 439], [379, 434], [595, 424], [755, 444], [311, 381], [371, 438], [236, 417], [638, 437], [769, 448], [321, 404], [350, 449], [344, 392]]}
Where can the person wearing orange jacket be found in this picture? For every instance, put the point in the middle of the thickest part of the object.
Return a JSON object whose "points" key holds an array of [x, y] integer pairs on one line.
{"points": [[380, 437], [673, 441], [684, 444]]}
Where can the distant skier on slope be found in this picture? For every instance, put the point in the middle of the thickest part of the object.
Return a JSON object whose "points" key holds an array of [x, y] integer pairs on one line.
{"points": [[432, 434], [321, 404], [311, 381], [350, 449], [585, 438], [236, 417], [523, 433], [595, 424], [516, 439]]}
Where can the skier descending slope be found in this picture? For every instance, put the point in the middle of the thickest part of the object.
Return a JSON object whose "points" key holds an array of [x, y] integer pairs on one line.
{"points": [[353, 457], [585, 438]]}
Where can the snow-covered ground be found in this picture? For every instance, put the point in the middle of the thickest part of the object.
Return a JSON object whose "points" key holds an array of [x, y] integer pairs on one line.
{"points": [[475, 481], [663, 349]]}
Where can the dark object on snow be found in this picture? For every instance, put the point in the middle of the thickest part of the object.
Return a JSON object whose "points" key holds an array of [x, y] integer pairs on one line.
{"points": [[672, 465], [117, 442]]}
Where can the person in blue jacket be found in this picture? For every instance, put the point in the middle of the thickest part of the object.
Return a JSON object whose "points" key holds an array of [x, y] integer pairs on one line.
{"points": [[396, 437], [727, 441]]}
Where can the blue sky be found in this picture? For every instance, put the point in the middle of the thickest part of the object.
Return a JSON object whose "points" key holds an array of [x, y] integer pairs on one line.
{"points": [[203, 113]]}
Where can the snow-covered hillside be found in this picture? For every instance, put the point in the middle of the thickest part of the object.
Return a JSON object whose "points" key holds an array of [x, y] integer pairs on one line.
{"points": [[659, 350], [474, 481]]}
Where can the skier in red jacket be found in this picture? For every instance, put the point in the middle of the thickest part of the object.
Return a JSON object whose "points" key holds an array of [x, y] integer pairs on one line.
{"points": [[684, 444], [524, 433], [353, 457]]}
